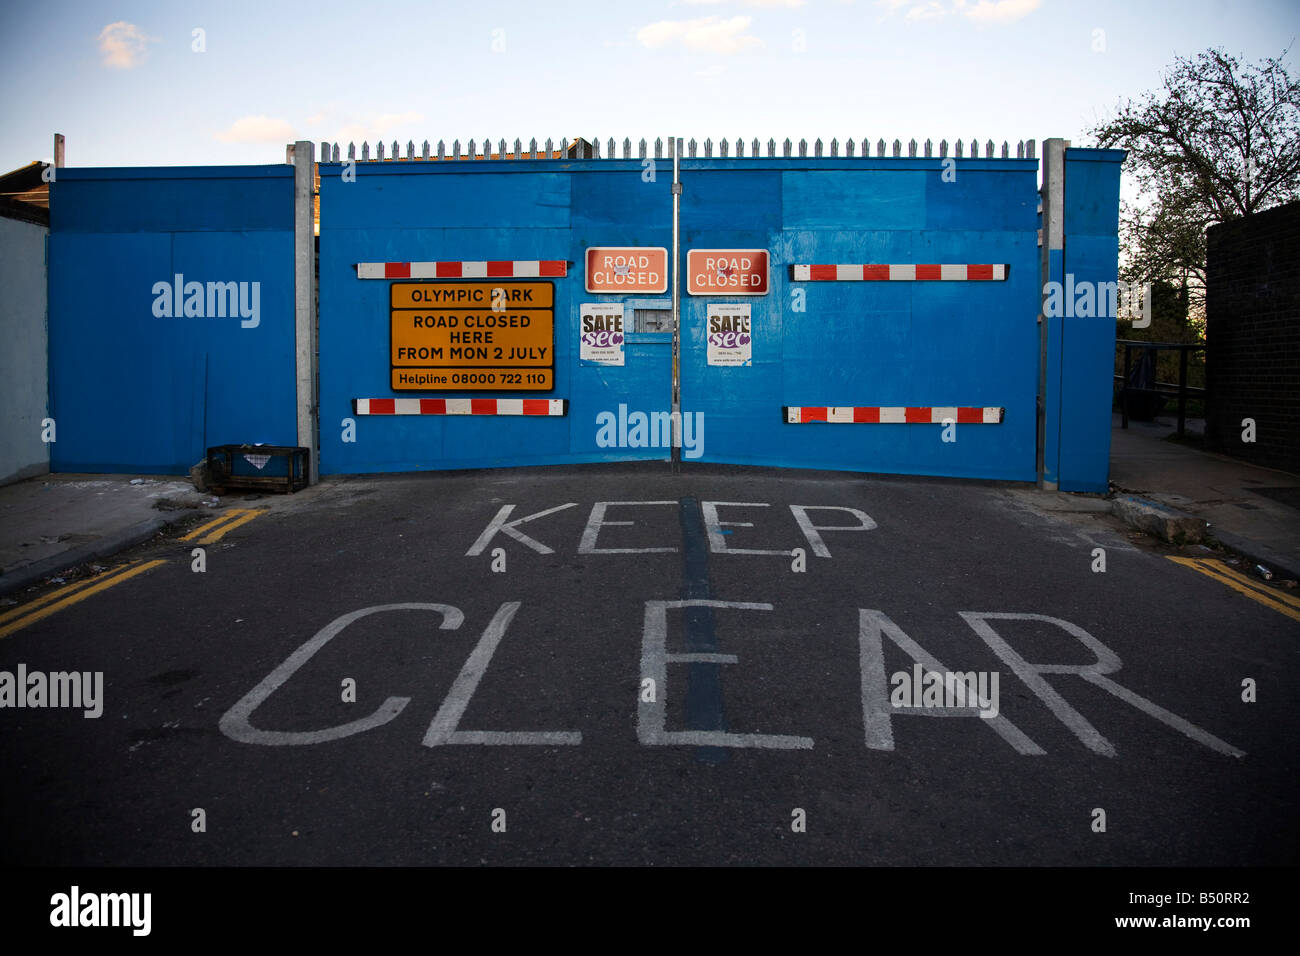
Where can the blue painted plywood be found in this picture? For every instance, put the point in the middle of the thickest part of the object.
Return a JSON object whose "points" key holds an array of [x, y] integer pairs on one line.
{"points": [[134, 391]]}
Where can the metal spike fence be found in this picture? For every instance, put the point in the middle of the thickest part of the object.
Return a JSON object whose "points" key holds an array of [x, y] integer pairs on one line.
{"points": [[581, 148]]}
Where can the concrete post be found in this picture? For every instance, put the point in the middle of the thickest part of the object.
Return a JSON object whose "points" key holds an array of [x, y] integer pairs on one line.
{"points": [[1052, 261], [304, 298]]}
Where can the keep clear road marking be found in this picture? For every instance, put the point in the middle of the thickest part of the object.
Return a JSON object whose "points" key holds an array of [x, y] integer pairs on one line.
{"points": [[55, 601], [1277, 600], [241, 516]]}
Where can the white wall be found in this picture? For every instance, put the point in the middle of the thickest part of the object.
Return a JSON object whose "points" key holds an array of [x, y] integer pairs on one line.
{"points": [[24, 391]]}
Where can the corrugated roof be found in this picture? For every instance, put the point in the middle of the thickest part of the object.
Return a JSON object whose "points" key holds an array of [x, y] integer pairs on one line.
{"points": [[26, 184]]}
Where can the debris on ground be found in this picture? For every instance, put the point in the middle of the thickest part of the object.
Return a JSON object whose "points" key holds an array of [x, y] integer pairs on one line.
{"points": [[199, 475]]}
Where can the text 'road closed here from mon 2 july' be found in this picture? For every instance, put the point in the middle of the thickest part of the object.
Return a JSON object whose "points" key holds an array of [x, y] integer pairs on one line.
{"points": [[472, 335]]}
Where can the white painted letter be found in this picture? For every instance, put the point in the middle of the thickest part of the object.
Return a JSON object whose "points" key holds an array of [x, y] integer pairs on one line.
{"points": [[1107, 662], [597, 521], [234, 723], [499, 523], [442, 729], [878, 709], [651, 714], [810, 530], [713, 527]]}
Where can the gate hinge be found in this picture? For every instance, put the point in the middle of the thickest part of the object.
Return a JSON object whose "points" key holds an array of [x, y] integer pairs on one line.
{"points": [[677, 189]]}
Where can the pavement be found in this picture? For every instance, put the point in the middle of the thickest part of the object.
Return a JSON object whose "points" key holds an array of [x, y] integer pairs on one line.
{"points": [[1253, 511], [56, 527], [52, 523], [622, 665]]}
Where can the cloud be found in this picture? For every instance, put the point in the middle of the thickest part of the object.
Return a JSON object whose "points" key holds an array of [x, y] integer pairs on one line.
{"points": [[363, 128], [703, 35], [386, 121], [1001, 11], [926, 11], [716, 70], [792, 4], [257, 129], [122, 45], [374, 127], [984, 11]]}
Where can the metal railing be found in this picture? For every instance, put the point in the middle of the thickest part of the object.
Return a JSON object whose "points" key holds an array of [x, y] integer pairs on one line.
{"points": [[1181, 390], [591, 149]]}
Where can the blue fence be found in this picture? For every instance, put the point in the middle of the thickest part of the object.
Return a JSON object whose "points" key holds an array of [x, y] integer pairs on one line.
{"points": [[1091, 256], [936, 344], [525, 210], [872, 343], [154, 354]]}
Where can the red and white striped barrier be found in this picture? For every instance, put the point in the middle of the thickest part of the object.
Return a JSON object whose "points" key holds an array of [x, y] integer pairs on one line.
{"points": [[912, 272], [460, 406], [466, 269], [891, 415]]}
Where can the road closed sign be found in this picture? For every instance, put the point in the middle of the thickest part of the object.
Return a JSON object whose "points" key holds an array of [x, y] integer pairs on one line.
{"points": [[627, 269], [727, 272], [454, 335]]}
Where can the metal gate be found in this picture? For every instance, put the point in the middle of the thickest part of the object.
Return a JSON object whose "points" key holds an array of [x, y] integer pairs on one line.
{"points": [[874, 313], [898, 327], [486, 222]]}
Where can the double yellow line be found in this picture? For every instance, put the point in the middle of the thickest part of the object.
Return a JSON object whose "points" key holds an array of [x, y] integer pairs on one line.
{"points": [[47, 604], [229, 521], [55, 601], [1279, 601]]}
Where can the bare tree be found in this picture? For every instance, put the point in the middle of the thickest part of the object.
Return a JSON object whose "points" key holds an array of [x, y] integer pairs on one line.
{"points": [[1218, 141]]}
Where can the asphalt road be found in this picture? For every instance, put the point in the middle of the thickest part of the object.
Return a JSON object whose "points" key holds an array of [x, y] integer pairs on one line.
{"points": [[505, 716]]}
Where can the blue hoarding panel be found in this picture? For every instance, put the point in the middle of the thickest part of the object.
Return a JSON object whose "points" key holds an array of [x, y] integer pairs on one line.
{"points": [[173, 199], [876, 343], [499, 213], [923, 343], [1091, 208], [146, 373], [136, 390], [1052, 358]]}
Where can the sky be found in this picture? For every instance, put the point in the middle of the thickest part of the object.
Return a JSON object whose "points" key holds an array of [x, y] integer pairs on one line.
{"points": [[178, 83]]}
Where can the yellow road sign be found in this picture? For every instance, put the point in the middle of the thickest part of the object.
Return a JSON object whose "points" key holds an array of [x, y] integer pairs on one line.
{"points": [[477, 335], [432, 339], [485, 295], [480, 379]]}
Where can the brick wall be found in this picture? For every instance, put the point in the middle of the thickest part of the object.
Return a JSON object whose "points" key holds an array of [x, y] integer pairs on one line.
{"points": [[1252, 310]]}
